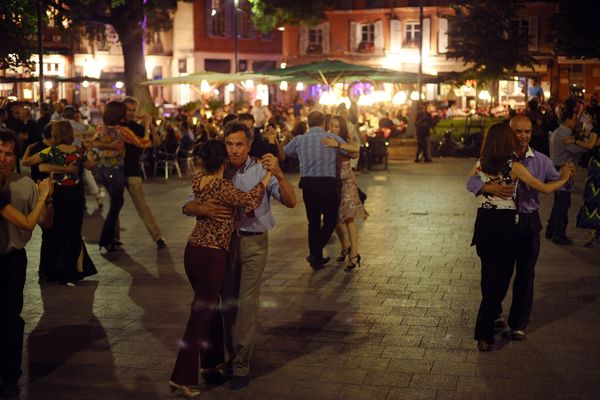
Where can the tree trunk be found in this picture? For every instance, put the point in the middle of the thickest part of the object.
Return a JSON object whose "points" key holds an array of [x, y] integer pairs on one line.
{"points": [[131, 36]]}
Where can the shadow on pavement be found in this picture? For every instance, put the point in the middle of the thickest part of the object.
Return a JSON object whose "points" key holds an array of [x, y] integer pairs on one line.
{"points": [[70, 347]]}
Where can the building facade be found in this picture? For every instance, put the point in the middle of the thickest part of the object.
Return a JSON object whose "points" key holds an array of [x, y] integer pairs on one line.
{"points": [[385, 33], [207, 35]]}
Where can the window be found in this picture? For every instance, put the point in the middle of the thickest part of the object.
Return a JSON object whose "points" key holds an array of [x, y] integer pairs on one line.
{"points": [[519, 31], [215, 65], [217, 18], [315, 41], [315, 36], [154, 42], [244, 15], [412, 33], [367, 33]]}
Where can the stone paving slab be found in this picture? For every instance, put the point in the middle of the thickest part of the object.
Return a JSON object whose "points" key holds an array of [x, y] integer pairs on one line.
{"points": [[400, 327]]}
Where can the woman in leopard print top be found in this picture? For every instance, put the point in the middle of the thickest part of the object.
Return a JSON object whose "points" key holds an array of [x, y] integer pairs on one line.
{"points": [[205, 261]]}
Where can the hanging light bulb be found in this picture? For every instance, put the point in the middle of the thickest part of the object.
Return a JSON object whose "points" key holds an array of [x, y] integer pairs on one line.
{"points": [[283, 86], [230, 87], [300, 86], [399, 98], [204, 86]]}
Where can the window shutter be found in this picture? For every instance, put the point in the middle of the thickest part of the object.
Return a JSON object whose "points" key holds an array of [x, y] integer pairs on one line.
{"points": [[303, 44], [426, 35], [533, 33], [395, 36], [379, 38], [354, 36], [325, 44], [443, 35]]}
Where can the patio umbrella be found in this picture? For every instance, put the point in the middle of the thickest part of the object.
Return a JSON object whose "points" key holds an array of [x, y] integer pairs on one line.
{"points": [[212, 78], [331, 71]]}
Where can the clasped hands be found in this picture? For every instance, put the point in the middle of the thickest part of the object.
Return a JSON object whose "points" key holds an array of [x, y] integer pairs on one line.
{"points": [[45, 187], [271, 164]]}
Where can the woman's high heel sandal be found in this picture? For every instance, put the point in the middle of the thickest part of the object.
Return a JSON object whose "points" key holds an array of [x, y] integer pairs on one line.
{"points": [[484, 346], [354, 262], [185, 391], [345, 252]]}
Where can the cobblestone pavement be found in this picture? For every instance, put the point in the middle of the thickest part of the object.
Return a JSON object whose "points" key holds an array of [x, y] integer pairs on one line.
{"points": [[400, 327]]}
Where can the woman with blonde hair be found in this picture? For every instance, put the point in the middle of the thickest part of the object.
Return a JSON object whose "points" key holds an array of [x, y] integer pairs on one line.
{"points": [[496, 223], [63, 254]]}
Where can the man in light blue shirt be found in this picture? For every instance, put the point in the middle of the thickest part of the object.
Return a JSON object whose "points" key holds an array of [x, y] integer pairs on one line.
{"points": [[248, 247], [563, 149], [318, 183]]}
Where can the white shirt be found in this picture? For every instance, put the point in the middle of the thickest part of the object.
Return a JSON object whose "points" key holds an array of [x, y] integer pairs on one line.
{"points": [[261, 116]]}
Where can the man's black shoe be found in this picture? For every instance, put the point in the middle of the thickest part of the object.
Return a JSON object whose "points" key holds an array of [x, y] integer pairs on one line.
{"points": [[562, 240], [317, 263], [548, 235], [500, 325], [161, 244], [238, 382]]}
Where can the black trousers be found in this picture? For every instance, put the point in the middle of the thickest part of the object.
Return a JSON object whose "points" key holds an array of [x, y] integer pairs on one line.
{"points": [[495, 240], [203, 337], [321, 200], [12, 281], [423, 146], [113, 180], [528, 250], [559, 216], [62, 243]]}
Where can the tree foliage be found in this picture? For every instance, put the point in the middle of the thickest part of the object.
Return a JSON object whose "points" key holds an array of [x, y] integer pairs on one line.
{"points": [[269, 14], [576, 29], [131, 20], [18, 28], [482, 35]]}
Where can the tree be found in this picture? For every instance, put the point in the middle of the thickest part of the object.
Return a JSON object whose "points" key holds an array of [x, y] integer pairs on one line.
{"points": [[130, 19], [483, 35], [577, 35], [269, 14], [18, 28]]}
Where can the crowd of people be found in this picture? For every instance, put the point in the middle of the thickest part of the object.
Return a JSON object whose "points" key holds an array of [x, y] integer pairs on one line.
{"points": [[239, 172], [242, 163]]}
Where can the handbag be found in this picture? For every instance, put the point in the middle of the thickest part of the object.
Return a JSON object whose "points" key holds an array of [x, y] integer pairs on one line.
{"points": [[362, 196]]}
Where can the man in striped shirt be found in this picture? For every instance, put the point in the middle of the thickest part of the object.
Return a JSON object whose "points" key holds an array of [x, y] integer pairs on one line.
{"points": [[318, 183]]}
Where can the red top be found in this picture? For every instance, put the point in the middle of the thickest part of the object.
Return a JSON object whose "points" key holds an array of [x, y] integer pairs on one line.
{"points": [[217, 234]]}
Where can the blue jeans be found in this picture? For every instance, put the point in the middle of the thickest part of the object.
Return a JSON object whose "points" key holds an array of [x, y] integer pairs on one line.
{"points": [[113, 180]]}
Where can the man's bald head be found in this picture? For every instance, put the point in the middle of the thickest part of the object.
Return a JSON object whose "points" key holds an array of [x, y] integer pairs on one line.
{"points": [[521, 125], [520, 121]]}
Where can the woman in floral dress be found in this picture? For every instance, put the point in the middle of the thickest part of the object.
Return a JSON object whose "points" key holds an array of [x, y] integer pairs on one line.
{"points": [[63, 254], [351, 208]]}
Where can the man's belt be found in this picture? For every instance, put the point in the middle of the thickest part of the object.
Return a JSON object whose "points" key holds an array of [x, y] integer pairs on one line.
{"points": [[246, 233]]}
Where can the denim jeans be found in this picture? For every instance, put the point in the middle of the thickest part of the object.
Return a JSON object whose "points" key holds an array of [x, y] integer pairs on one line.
{"points": [[113, 179]]}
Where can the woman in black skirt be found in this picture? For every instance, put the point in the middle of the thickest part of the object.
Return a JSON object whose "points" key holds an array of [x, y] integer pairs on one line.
{"points": [[63, 254], [496, 223]]}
